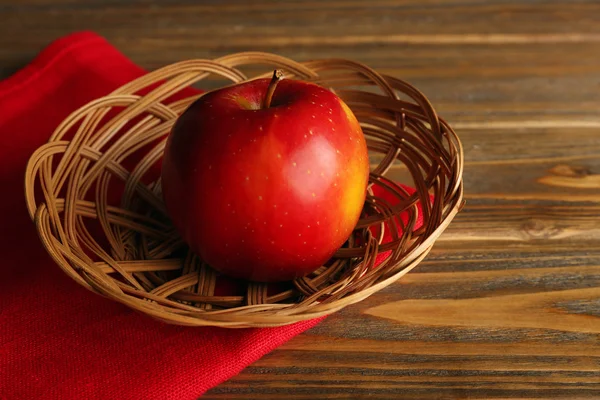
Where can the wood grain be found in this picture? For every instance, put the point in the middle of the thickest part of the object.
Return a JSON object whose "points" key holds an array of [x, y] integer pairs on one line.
{"points": [[507, 304]]}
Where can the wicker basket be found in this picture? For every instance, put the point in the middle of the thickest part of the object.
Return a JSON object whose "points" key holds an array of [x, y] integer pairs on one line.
{"points": [[94, 196]]}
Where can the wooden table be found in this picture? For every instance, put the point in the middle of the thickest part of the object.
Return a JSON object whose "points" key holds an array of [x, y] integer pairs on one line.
{"points": [[507, 305]]}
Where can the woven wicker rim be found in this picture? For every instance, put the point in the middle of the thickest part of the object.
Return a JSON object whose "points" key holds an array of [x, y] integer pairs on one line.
{"points": [[138, 262]]}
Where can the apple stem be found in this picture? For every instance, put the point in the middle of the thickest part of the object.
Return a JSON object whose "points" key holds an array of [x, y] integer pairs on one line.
{"points": [[277, 76]]}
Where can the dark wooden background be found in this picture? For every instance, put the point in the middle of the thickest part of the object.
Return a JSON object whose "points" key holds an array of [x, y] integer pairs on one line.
{"points": [[507, 305]]}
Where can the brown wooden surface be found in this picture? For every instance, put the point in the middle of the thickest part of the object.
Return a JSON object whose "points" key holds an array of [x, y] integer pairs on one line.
{"points": [[507, 305]]}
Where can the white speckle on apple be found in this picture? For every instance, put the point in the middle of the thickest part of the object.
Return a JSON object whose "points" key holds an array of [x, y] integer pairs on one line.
{"points": [[337, 151], [308, 226], [314, 195], [304, 242], [318, 223], [265, 222], [330, 120], [272, 242], [210, 167], [337, 174], [267, 177], [308, 171], [260, 128], [314, 116], [247, 178], [305, 136], [278, 155], [242, 240], [228, 204], [312, 102], [333, 129], [310, 131], [281, 225], [274, 205], [226, 244], [285, 213], [294, 164], [330, 111], [299, 234], [252, 230], [322, 174], [260, 197]]}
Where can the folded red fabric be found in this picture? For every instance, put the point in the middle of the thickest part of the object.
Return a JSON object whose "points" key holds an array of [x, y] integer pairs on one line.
{"points": [[58, 340]]}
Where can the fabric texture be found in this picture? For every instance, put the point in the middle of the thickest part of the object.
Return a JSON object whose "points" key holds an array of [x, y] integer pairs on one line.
{"points": [[58, 340]]}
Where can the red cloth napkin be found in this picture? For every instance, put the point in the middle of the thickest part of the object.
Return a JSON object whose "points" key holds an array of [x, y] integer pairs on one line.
{"points": [[58, 340]]}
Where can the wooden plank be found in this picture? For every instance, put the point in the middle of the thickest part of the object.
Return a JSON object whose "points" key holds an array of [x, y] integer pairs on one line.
{"points": [[308, 22], [526, 145], [475, 88]]}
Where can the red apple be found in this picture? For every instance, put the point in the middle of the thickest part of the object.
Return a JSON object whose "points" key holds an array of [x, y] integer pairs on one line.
{"points": [[266, 179]]}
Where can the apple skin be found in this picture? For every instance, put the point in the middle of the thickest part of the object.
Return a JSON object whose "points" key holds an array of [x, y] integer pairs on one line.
{"points": [[266, 194]]}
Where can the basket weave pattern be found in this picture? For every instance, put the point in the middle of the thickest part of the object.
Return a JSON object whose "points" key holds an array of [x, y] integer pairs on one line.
{"points": [[124, 248]]}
